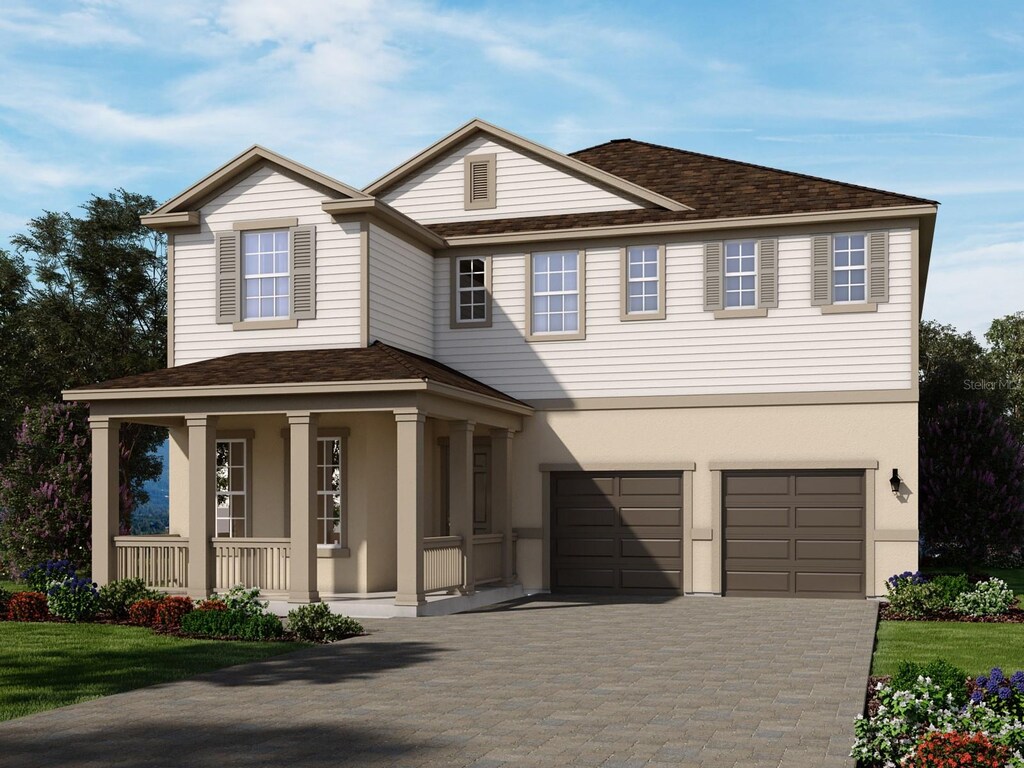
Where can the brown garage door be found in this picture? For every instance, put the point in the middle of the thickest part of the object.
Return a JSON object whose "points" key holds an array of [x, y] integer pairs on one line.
{"points": [[617, 532], [794, 533]]}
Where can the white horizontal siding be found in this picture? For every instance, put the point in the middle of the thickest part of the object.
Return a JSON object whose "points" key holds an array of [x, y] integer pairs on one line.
{"points": [[401, 293], [794, 349], [265, 194], [525, 186]]}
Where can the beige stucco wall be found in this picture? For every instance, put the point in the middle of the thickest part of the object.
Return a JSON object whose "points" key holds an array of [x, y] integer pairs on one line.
{"points": [[662, 438]]}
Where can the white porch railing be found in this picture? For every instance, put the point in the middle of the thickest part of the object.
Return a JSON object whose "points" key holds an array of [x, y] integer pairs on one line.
{"points": [[259, 563], [442, 563], [487, 557], [160, 561]]}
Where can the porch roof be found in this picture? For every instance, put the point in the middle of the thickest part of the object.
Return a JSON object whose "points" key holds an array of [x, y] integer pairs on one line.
{"points": [[378, 362]]}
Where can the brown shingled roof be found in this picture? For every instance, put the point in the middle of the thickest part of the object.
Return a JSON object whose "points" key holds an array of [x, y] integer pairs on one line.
{"points": [[715, 188], [377, 362]]}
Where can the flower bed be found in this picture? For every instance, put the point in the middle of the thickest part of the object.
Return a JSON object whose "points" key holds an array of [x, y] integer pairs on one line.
{"points": [[912, 596]]}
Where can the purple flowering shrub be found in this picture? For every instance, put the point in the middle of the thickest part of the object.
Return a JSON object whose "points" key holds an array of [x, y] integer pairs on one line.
{"points": [[45, 489], [39, 576], [73, 599], [1003, 694], [972, 483]]}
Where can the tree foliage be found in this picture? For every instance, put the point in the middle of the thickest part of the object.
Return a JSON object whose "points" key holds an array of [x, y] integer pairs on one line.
{"points": [[971, 483], [84, 299]]}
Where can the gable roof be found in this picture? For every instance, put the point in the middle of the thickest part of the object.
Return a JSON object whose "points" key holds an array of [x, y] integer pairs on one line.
{"points": [[376, 363], [569, 164], [173, 212], [711, 187]]}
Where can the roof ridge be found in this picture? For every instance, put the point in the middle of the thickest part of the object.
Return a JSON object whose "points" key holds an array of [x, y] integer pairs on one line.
{"points": [[397, 354], [797, 174]]}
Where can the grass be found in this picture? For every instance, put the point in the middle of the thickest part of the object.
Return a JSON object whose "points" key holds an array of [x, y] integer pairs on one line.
{"points": [[975, 648], [43, 666], [12, 586]]}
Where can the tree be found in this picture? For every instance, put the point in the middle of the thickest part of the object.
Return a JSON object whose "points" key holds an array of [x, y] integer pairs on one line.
{"points": [[955, 368], [45, 489], [1006, 335], [971, 483], [94, 309]]}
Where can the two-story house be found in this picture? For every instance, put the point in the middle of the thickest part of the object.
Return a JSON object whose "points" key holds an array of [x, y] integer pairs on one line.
{"points": [[497, 368]]}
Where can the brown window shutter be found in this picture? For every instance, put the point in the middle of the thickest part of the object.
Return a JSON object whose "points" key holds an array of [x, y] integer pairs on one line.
{"points": [[768, 273], [878, 266], [303, 272], [821, 270], [228, 300], [714, 291]]}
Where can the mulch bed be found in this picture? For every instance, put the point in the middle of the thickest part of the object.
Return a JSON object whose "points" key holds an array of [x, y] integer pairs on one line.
{"points": [[871, 705], [1012, 616]]}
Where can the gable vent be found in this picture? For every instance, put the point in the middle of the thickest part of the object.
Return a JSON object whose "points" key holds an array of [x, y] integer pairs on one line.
{"points": [[480, 182]]}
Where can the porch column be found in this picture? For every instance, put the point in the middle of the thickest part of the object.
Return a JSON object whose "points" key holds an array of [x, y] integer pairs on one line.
{"points": [[411, 505], [460, 495], [500, 513], [106, 455], [202, 503], [302, 444]]}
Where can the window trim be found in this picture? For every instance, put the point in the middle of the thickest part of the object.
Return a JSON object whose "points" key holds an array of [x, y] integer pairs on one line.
{"points": [[491, 161], [581, 289], [726, 309], [832, 273], [244, 436], [263, 322], [453, 305], [624, 314]]}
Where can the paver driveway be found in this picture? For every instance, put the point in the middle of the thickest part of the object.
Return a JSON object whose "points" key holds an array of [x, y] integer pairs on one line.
{"points": [[549, 682]]}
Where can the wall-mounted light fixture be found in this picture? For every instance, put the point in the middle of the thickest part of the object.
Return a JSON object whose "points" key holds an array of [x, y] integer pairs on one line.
{"points": [[895, 481]]}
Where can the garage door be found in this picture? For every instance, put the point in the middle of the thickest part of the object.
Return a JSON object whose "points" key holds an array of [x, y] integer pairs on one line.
{"points": [[794, 533], [617, 532]]}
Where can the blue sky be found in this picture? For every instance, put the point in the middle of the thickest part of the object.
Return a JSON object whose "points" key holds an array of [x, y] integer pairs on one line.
{"points": [[921, 98]]}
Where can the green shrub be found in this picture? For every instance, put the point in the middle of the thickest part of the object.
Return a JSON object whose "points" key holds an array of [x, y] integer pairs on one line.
{"points": [[315, 623], [5, 598], [914, 595], [232, 624], [242, 600], [950, 679], [117, 596], [73, 599], [988, 598], [947, 587]]}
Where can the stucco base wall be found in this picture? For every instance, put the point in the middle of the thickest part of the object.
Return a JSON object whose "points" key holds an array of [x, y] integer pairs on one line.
{"points": [[796, 437]]}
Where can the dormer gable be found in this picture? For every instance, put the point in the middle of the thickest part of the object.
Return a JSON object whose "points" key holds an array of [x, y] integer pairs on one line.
{"points": [[481, 171]]}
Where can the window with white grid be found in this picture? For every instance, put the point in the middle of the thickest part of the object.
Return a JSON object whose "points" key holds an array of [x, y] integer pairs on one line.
{"points": [[741, 274], [642, 279], [849, 273], [556, 292], [265, 276], [232, 485], [329, 490], [471, 290]]}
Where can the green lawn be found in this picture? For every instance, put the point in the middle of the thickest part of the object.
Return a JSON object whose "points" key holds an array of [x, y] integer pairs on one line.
{"points": [[975, 648], [12, 586], [43, 666]]}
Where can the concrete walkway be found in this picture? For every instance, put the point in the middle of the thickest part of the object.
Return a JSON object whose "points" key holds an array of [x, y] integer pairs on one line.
{"points": [[549, 682]]}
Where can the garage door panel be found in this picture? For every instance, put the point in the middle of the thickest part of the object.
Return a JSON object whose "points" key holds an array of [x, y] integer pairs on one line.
{"points": [[651, 548], [757, 485], [649, 579], [830, 582], [838, 549], [584, 547], [765, 549], [830, 484], [574, 517], [580, 485], [627, 540], [651, 486], [645, 517], [739, 517], [794, 534], [837, 517], [758, 581]]}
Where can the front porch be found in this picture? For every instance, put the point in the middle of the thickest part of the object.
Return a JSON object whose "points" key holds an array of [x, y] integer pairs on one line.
{"points": [[379, 497]]}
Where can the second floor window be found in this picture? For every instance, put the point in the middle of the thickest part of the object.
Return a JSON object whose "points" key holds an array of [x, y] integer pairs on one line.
{"points": [[471, 291], [556, 292], [643, 280], [741, 274], [849, 284], [265, 275]]}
